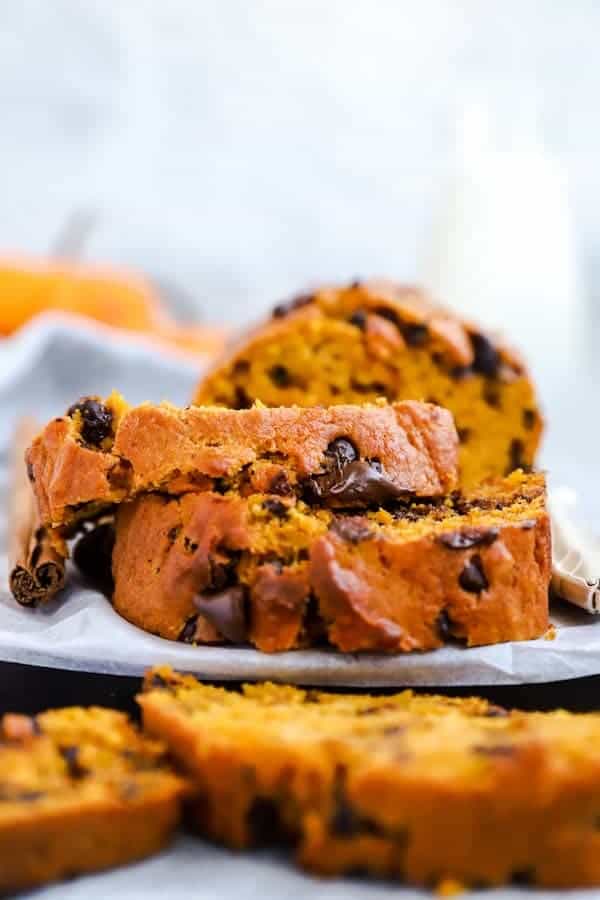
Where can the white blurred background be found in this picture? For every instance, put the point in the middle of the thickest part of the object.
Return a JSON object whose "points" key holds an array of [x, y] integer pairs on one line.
{"points": [[246, 147]]}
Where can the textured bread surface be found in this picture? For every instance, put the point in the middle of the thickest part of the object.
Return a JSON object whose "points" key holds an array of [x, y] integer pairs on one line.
{"points": [[424, 789], [80, 790], [372, 339], [272, 571], [104, 452]]}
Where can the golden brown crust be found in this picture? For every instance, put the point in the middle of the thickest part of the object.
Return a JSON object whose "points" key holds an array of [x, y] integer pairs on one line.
{"points": [[81, 791], [417, 788], [351, 344], [475, 569], [171, 449]]}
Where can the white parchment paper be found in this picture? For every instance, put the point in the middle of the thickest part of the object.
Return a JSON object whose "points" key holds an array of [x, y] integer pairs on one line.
{"points": [[52, 363]]}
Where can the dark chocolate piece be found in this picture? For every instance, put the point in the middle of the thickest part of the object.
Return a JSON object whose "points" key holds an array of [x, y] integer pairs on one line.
{"points": [[70, 755], [280, 376], [468, 537], [96, 420], [443, 625], [486, 359], [93, 557], [473, 578], [529, 418], [226, 611], [187, 634]]}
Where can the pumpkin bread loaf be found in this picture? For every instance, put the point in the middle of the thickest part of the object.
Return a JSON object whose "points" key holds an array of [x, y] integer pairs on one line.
{"points": [[103, 452], [80, 790], [275, 571], [433, 791], [372, 339]]}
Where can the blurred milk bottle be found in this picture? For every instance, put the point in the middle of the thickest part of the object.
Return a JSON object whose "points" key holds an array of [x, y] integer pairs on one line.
{"points": [[504, 249]]}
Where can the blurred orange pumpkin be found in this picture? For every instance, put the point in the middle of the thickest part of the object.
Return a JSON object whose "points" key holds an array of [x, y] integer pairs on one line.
{"points": [[120, 299]]}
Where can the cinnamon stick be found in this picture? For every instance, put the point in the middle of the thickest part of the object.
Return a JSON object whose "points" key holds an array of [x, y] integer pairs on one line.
{"points": [[36, 564]]}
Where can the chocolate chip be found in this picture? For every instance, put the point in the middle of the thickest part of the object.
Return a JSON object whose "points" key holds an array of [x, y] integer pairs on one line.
{"points": [[468, 537], [341, 451], [463, 434], [120, 475], [96, 420], [280, 376], [189, 545], [265, 825], [226, 611], [355, 285], [241, 399], [30, 473], [414, 333], [516, 459], [491, 394], [188, 632], [280, 484], [352, 530], [93, 556], [173, 533], [70, 755], [443, 625], [473, 578], [359, 319], [241, 366], [276, 508], [529, 418], [494, 749], [283, 309], [524, 877], [486, 360], [222, 574]]}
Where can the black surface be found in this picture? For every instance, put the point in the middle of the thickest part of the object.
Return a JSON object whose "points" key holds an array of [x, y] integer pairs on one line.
{"points": [[30, 689]]}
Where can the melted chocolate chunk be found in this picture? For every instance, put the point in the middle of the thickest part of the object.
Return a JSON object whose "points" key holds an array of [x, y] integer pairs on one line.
{"points": [[352, 530], [280, 376], [188, 632], [468, 537], [276, 508], [284, 309], [373, 387], [529, 418], [359, 319], [463, 434], [473, 578], [459, 373], [226, 611], [96, 420], [70, 755], [341, 452], [93, 557], [486, 360], [360, 484], [222, 573]]}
